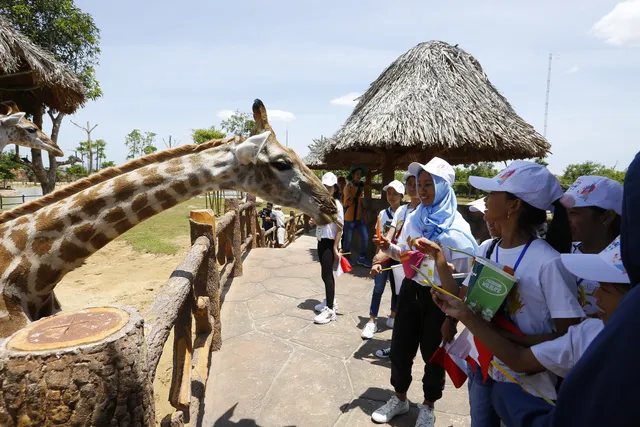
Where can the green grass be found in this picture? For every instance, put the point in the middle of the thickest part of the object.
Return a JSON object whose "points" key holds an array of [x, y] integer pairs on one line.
{"points": [[157, 235]]}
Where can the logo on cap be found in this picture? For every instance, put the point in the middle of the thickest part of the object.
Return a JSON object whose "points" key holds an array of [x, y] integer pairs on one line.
{"points": [[616, 259], [505, 175], [586, 191]]}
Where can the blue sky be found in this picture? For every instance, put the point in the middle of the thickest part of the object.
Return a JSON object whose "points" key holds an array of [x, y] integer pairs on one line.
{"points": [[169, 67]]}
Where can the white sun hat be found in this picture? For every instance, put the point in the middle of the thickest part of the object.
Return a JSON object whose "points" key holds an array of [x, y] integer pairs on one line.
{"points": [[396, 185], [591, 190], [528, 181], [603, 267], [329, 179], [436, 166], [478, 206]]}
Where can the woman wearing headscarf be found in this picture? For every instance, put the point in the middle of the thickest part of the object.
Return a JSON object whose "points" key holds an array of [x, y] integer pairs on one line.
{"points": [[419, 323]]}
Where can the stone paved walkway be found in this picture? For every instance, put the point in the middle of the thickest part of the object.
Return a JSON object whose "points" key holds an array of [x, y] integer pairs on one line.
{"points": [[276, 368]]}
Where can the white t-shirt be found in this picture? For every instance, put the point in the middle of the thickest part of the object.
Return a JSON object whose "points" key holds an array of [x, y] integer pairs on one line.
{"points": [[460, 261], [586, 290], [386, 220], [329, 231], [400, 215], [546, 290], [561, 354], [278, 217]]}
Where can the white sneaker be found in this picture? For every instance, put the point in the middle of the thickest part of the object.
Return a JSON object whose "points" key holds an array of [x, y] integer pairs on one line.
{"points": [[390, 322], [390, 409], [426, 416], [323, 304], [327, 315], [369, 329], [384, 353]]}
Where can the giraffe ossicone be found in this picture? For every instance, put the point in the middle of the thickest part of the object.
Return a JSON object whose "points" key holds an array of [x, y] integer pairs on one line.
{"points": [[43, 240]]}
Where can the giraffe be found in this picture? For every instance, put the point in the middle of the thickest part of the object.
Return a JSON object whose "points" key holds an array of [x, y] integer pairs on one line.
{"points": [[15, 129], [45, 239]]}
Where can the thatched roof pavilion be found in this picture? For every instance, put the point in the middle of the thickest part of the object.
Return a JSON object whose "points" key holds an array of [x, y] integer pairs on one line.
{"points": [[31, 76], [315, 159], [434, 100]]}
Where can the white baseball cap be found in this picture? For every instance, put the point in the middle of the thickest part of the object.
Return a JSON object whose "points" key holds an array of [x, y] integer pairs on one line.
{"points": [[406, 176], [603, 267], [329, 179], [396, 185], [478, 206], [277, 207], [597, 191], [436, 166], [528, 181]]}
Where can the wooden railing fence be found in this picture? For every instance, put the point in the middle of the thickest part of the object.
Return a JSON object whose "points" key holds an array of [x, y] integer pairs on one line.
{"points": [[192, 297], [295, 225]]}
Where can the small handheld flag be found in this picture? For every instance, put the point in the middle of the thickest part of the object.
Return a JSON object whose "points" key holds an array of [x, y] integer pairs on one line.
{"points": [[343, 266]]}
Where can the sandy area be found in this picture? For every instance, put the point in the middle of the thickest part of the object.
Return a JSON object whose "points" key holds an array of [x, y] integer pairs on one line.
{"points": [[118, 275]]}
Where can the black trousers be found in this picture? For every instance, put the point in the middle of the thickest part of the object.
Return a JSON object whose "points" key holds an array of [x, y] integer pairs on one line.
{"points": [[418, 325], [326, 256]]}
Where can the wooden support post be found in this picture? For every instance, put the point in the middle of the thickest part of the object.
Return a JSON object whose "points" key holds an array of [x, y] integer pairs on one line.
{"points": [[292, 227], [201, 358], [180, 390], [367, 187], [77, 368], [235, 240]]}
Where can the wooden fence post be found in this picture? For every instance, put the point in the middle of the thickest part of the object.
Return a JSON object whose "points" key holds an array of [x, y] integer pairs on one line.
{"points": [[252, 220], [307, 226], [236, 241]]}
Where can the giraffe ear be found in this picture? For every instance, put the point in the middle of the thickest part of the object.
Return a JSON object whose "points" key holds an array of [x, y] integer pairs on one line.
{"points": [[248, 151], [11, 120]]}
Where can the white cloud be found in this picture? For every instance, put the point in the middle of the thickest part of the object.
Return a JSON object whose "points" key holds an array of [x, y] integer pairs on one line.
{"points": [[224, 114], [280, 116], [573, 70], [621, 26], [348, 99]]}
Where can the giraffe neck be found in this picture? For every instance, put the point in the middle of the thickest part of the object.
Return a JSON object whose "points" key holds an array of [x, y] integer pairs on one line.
{"points": [[38, 249]]}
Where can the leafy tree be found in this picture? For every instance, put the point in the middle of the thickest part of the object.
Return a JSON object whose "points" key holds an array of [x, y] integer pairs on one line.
{"points": [[8, 167], [60, 27], [139, 144], [238, 124], [576, 170], [206, 134], [76, 171], [107, 164]]}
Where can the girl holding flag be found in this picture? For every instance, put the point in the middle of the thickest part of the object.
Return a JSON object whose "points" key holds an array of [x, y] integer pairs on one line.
{"points": [[394, 192], [419, 323], [328, 252], [543, 303]]}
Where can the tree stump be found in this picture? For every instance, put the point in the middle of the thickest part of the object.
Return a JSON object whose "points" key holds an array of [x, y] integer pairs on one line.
{"points": [[80, 368]]}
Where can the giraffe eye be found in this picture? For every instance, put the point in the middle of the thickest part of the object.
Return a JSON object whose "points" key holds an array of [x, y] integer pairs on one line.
{"points": [[281, 164], [32, 130]]}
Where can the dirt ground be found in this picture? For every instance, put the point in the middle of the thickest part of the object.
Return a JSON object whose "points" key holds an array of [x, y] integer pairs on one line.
{"points": [[118, 275]]}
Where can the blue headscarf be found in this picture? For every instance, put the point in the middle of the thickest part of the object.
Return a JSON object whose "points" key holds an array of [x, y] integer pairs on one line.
{"points": [[441, 220]]}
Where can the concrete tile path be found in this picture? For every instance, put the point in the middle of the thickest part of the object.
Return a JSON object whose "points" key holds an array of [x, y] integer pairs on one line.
{"points": [[277, 368]]}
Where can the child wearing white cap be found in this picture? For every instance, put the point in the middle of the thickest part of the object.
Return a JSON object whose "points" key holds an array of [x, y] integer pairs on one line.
{"points": [[543, 304], [328, 243], [394, 192], [419, 324], [595, 207], [561, 354]]}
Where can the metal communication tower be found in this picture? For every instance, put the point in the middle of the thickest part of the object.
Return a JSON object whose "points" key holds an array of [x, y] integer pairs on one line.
{"points": [[546, 104]]}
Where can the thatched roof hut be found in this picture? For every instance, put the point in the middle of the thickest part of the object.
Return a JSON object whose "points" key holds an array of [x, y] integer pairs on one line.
{"points": [[434, 100], [31, 76]]}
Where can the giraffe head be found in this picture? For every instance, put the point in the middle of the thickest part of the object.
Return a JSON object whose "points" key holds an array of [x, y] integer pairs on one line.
{"points": [[15, 129], [277, 174]]}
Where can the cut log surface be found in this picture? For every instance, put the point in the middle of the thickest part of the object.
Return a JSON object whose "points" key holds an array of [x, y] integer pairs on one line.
{"points": [[79, 368]]}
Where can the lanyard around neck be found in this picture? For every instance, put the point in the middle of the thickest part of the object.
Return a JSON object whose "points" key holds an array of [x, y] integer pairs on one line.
{"points": [[515, 267]]}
